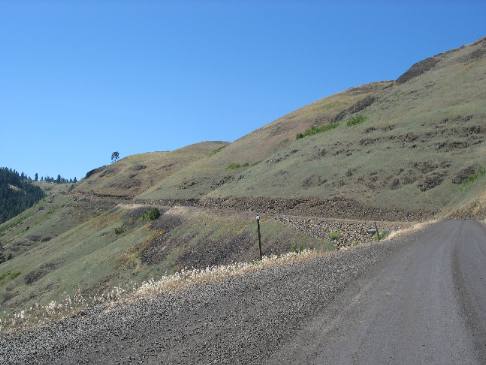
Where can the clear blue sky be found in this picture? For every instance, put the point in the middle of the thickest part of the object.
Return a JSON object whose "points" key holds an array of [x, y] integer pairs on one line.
{"points": [[80, 79]]}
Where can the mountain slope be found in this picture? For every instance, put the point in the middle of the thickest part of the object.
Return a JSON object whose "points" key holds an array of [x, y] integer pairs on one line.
{"points": [[417, 137]]}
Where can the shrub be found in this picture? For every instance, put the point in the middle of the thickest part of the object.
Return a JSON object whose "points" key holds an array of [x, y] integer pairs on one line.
{"points": [[357, 119], [119, 230], [151, 214], [334, 235], [315, 130]]}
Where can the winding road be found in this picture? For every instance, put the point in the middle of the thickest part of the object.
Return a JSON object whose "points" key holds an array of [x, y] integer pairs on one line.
{"points": [[416, 300]]}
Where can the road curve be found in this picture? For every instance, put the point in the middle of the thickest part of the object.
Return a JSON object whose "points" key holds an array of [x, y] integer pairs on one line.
{"points": [[425, 305], [419, 300]]}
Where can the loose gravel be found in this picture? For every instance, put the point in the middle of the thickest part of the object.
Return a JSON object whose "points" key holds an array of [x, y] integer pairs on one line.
{"points": [[347, 232], [238, 320]]}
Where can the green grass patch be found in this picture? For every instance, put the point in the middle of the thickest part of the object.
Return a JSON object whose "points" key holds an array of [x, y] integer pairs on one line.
{"points": [[9, 275], [357, 119], [316, 130], [294, 247], [151, 214], [236, 166], [473, 178]]}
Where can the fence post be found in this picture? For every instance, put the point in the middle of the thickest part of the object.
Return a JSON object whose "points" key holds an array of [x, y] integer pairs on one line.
{"points": [[259, 236]]}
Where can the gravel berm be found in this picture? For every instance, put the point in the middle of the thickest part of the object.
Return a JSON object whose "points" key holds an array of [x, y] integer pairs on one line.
{"points": [[251, 319]]}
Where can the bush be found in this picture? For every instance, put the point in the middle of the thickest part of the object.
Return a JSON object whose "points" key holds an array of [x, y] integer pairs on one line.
{"points": [[315, 130], [119, 230], [357, 119], [334, 235], [151, 214]]}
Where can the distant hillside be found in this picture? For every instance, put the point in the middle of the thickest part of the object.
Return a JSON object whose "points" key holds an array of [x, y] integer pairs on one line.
{"points": [[17, 193], [135, 174]]}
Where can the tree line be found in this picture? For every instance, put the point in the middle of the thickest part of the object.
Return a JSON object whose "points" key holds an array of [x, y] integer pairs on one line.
{"points": [[17, 193], [58, 180]]}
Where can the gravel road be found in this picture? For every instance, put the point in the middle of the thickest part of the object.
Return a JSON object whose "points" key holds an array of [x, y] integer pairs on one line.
{"points": [[421, 299]]}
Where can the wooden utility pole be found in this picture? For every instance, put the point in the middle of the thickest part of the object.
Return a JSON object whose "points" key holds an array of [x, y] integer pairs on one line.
{"points": [[259, 236]]}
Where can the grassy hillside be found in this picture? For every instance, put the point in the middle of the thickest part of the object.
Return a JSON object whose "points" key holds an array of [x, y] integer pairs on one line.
{"points": [[400, 144], [119, 245], [226, 166], [135, 174]]}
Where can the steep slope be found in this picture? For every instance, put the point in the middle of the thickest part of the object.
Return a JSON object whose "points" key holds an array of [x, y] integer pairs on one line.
{"points": [[226, 166], [134, 174], [409, 145]]}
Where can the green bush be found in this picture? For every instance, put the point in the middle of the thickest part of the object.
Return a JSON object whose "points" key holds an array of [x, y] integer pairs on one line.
{"points": [[315, 130], [119, 230], [357, 119], [151, 214], [334, 235]]}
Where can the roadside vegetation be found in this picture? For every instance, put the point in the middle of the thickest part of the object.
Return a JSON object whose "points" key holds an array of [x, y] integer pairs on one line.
{"points": [[472, 179], [78, 303]]}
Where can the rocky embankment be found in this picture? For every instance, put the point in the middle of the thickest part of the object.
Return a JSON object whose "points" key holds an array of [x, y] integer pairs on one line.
{"points": [[342, 233], [335, 208]]}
